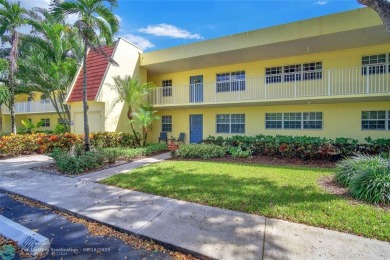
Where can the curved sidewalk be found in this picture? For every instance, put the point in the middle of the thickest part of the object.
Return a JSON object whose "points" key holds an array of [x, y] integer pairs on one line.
{"points": [[206, 231]]}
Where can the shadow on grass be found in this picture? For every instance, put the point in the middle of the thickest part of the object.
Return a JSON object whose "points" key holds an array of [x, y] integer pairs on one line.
{"points": [[243, 193]]}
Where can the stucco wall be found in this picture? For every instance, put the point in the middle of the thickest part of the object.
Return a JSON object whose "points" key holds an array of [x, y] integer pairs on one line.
{"points": [[339, 120]]}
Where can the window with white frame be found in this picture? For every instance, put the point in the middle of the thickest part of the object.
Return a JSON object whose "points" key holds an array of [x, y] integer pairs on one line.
{"points": [[292, 120], [376, 64], [296, 72], [376, 120], [274, 120], [312, 120], [167, 87], [231, 123], [166, 123], [46, 122], [305, 120], [231, 81]]}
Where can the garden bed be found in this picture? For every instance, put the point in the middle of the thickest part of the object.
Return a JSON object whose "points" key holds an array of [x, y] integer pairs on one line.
{"points": [[97, 160], [267, 160]]}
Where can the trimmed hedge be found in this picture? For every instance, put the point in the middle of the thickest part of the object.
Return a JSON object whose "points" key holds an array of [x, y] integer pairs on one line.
{"points": [[204, 151], [302, 147], [43, 143]]}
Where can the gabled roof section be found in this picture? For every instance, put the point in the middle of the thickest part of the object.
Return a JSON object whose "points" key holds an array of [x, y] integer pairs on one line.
{"points": [[96, 69]]}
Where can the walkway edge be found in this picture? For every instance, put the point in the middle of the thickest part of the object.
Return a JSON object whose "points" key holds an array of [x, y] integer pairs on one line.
{"points": [[168, 246]]}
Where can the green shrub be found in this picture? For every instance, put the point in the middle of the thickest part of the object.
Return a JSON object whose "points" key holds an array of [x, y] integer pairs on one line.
{"points": [[303, 147], [237, 152], [111, 155], [75, 164], [372, 184], [59, 129], [130, 153], [204, 151], [348, 168], [112, 139]]}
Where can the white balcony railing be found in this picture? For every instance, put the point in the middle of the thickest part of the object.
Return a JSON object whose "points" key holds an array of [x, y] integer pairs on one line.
{"points": [[30, 107], [328, 83]]}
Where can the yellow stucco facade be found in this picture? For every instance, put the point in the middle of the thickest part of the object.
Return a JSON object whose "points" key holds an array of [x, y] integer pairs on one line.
{"points": [[332, 66], [32, 108]]}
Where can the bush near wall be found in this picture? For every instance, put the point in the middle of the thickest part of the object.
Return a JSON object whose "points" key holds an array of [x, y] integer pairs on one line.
{"points": [[302, 147], [16, 145]]}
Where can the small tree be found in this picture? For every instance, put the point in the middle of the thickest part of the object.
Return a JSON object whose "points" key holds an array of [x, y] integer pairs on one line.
{"points": [[132, 92], [145, 116]]}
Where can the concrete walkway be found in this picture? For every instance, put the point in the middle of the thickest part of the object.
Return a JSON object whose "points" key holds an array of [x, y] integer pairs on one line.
{"points": [[206, 231]]}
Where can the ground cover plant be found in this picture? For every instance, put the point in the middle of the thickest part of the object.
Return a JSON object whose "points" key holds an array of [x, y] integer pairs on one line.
{"points": [[303, 147], [367, 177], [77, 161], [125, 153], [290, 193]]}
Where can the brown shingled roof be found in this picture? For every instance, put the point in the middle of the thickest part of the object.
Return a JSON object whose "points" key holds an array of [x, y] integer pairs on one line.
{"points": [[96, 68]]}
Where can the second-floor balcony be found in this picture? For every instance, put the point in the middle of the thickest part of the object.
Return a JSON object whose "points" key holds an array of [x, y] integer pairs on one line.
{"points": [[324, 84], [27, 107]]}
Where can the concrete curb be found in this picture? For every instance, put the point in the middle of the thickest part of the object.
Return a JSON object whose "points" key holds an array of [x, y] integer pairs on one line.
{"points": [[168, 246], [27, 239]]}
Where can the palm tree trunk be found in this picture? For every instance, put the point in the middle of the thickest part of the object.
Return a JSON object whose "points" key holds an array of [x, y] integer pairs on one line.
{"points": [[85, 104], [145, 137], [11, 108], [12, 69], [130, 117], [382, 7]]}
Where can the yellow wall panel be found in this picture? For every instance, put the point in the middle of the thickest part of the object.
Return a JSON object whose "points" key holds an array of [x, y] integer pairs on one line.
{"points": [[339, 120]]}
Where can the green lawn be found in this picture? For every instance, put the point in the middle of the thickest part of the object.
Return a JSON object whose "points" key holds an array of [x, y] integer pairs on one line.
{"points": [[290, 193]]}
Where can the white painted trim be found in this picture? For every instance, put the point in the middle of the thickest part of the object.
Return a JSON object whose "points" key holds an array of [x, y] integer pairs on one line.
{"points": [[27, 239]]}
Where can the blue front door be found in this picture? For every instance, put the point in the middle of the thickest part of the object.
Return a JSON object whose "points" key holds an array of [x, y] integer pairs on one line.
{"points": [[196, 128], [196, 89]]}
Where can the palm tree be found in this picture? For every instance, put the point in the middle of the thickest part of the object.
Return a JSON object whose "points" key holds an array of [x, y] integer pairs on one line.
{"points": [[95, 21], [145, 115], [382, 7], [44, 65], [132, 93], [12, 17]]}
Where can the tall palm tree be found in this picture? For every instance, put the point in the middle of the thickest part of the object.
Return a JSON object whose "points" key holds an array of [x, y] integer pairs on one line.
{"points": [[12, 17], [132, 92], [44, 65], [95, 21]]}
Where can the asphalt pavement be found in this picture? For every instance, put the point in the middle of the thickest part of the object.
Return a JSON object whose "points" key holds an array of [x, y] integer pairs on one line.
{"points": [[70, 240]]}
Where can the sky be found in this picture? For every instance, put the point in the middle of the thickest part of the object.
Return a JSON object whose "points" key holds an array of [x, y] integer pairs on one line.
{"points": [[154, 25]]}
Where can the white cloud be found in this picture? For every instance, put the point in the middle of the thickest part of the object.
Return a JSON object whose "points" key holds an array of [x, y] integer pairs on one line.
{"points": [[138, 40], [168, 30], [321, 2]]}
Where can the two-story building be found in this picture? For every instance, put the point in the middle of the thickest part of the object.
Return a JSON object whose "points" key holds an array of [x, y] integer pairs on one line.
{"points": [[32, 108], [328, 76]]}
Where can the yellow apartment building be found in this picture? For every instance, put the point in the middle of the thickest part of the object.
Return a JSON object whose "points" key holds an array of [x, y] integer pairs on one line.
{"points": [[29, 108], [328, 77]]}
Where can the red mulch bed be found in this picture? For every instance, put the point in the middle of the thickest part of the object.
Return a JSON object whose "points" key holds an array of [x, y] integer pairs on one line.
{"points": [[267, 160]]}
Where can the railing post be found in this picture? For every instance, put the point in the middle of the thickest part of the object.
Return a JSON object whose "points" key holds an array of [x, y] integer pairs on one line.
{"points": [[367, 80], [328, 82], [265, 88], [295, 87]]}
